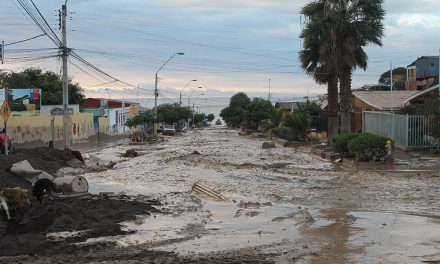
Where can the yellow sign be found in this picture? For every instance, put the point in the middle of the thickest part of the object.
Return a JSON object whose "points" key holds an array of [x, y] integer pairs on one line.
{"points": [[5, 111]]}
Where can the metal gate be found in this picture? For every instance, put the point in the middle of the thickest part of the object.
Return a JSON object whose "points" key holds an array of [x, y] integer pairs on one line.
{"points": [[406, 131]]}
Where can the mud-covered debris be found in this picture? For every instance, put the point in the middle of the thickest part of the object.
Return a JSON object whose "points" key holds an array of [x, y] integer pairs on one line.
{"points": [[205, 191], [308, 218], [350, 219], [78, 156], [139, 136], [239, 213], [268, 144], [195, 152], [252, 213], [110, 165], [130, 153], [253, 205]]}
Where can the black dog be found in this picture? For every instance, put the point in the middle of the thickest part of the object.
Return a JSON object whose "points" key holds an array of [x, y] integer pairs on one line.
{"points": [[43, 187]]}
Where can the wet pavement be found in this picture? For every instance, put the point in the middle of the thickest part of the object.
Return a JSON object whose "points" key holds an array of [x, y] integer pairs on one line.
{"points": [[281, 201]]}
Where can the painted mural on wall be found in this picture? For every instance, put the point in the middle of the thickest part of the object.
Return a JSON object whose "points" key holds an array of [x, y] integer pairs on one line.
{"points": [[22, 99], [24, 129]]}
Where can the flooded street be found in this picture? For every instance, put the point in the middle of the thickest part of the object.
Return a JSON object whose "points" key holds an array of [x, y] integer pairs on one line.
{"points": [[282, 205]]}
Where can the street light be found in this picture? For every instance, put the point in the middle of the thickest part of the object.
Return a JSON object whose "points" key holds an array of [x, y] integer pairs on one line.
{"points": [[156, 93], [193, 123], [180, 100], [189, 96]]}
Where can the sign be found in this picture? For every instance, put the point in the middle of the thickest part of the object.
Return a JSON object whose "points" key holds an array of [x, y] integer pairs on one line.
{"points": [[28, 99], [59, 111], [5, 111]]}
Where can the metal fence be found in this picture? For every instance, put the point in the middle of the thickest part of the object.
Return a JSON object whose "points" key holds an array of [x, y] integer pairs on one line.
{"points": [[405, 130]]}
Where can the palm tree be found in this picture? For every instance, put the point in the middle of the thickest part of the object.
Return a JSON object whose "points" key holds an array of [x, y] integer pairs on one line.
{"points": [[311, 57], [342, 28]]}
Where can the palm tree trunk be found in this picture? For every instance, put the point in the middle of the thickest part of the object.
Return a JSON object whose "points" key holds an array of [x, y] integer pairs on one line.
{"points": [[332, 108], [346, 101]]}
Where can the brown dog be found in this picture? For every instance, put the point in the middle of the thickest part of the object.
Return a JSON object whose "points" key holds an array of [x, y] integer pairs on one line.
{"points": [[16, 197]]}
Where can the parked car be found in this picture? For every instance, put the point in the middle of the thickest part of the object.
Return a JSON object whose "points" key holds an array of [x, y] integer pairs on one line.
{"points": [[169, 130]]}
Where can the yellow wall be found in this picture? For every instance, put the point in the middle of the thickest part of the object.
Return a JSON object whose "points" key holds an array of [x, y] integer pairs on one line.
{"points": [[104, 125], [22, 129]]}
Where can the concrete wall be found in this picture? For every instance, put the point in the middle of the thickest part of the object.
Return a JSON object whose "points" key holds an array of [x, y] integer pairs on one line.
{"points": [[45, 109], [36, 129]]}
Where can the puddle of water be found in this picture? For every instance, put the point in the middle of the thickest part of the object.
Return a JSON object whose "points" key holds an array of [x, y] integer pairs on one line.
{"points": [[395, 238]]}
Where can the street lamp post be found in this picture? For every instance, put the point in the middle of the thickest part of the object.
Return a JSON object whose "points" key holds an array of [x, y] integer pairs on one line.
{"points": [[156, 93], [180, 98], [189, 96], [193, 123]]}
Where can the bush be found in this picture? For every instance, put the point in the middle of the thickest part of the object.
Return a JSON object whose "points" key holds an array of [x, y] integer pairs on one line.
{"points": [[286, 133], [340, 142], [368, 147], [364, 147]]}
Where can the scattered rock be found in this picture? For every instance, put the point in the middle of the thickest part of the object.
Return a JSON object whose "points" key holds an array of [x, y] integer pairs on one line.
{"points": [[252, 213], [239, 213], [350, 219], [253, 205], [110, 165], [267, 145], [130, 153]]}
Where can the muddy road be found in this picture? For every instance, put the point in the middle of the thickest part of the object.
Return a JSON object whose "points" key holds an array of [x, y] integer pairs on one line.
{"points": [[283, 206]]}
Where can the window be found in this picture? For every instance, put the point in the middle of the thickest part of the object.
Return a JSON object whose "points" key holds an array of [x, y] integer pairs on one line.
{"points": [[432, 64]]}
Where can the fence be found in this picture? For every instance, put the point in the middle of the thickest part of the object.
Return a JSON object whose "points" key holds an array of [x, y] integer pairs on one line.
{"points": [[406, 131]]}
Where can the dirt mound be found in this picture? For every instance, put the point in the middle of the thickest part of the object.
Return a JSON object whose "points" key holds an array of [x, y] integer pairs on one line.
{"points": [[96, 215], [49, 160]]}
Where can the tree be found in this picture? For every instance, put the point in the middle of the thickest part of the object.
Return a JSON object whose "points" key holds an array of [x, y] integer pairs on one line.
{"points": [[354, 24], [173, 113], [335, 33], [199, 117], [257, 111], [301, 120], [210, 117], [316, 29], [399, 78], [50, 83], [141, 119], [234, 114]]}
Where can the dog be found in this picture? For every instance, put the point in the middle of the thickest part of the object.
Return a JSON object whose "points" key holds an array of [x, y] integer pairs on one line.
{"points": [[42, 188], [16, 197]]}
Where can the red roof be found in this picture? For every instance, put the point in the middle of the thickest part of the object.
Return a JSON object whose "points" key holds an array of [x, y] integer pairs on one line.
{"points": [[101, 103]]}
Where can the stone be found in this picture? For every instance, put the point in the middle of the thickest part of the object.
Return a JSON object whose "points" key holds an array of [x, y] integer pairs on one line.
{"points": [[268, 144]]}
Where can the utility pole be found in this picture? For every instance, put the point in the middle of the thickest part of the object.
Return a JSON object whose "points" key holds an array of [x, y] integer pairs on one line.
{"points": [[269, 90], [391, 87], [66, 125], [156, 94], [2, 52], [193, 115]]}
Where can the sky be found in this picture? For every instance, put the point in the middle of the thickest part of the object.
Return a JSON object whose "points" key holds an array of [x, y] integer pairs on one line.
{"points": [[229, 46]]}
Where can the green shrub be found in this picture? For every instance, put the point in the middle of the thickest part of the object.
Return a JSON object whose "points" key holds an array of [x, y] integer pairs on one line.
{"points": [[340, 142], [286, 133], [368, 147]]}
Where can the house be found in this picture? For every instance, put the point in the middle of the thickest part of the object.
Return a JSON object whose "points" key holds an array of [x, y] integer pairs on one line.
{"points": [[379, 100], [116, 111], [286, 108], [422, 73], [421, 97]]}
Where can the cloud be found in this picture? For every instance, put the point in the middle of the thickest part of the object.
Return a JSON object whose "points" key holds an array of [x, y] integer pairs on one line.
{"points": [[229, 45], [423, 21]]}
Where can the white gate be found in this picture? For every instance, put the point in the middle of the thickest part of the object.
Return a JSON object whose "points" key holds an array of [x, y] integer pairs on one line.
{"points": [[406, 131]]}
